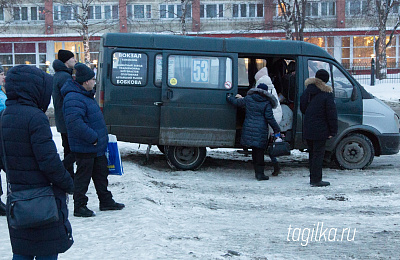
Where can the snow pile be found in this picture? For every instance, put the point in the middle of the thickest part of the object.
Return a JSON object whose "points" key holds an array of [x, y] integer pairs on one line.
{"points": [[222, 212]]}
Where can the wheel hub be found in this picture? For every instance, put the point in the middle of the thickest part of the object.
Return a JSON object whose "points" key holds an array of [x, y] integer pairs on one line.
{"points": [[353, 152]]}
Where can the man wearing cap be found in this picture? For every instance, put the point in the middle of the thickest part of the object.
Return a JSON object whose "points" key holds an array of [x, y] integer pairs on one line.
{"points": [[87, 136], [317, 103], [63, 67]]}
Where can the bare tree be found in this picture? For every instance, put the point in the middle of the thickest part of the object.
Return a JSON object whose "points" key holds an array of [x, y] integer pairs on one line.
{"points": [[294, 19], [380, 11], [6, 6], [82, 21]]}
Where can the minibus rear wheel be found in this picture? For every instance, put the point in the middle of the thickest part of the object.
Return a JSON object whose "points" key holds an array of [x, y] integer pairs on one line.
{"points": [[185, 158], [355, 151]]}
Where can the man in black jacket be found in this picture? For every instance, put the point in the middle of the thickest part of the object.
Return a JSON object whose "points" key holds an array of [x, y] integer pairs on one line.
{"points": [[317, 103], [63, 67]]}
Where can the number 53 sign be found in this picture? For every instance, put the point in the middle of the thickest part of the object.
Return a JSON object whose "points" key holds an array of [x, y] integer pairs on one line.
{"points": [[200, 70]]}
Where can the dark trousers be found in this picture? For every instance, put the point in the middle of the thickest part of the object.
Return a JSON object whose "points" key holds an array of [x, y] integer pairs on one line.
{"points": [[316, 149], [69, 157], [257, 155], [94, 168]]}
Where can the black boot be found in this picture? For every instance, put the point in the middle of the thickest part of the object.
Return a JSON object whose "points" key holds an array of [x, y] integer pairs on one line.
{"points": [[259, 170], [277, 169], [84, 212], [320, 184], [2, 209], [111, 206]]}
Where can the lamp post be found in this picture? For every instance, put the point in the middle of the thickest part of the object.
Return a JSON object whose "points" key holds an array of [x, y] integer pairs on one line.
{"points": [[372, 70]]}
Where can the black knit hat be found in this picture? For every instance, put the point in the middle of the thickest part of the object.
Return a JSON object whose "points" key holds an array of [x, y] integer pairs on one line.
{"points": [[65, 55], [83, 73], [322, 75], [262, 86]]}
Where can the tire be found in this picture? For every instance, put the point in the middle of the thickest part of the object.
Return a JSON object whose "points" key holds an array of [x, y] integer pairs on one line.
{"points": [[161, 148], [354, 152], [185, 158]]}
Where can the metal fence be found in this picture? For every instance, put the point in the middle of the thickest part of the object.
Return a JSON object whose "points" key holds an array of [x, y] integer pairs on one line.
{"points": [[362, 72]]}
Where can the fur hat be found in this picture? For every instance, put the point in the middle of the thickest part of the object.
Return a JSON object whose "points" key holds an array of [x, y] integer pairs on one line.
{"points": [[262, 72], [322, 75], [83, 73], [65, 55]]}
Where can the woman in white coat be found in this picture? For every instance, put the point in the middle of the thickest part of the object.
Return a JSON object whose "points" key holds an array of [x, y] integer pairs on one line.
{"points": [[262, 77]]}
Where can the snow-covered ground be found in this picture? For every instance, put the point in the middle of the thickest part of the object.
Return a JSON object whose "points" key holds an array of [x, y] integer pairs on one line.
{"points": [[222, 212]]}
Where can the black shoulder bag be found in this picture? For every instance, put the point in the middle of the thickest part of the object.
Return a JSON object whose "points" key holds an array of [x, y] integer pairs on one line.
{"points": [[29, 208], [280, 148]]}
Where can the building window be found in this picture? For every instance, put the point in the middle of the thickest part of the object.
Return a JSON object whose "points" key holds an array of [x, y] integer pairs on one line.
{"points": [[188, 11], [175, 11], [16, 14], [107, 12], [115, 12], [395, 8], [24, 13], [61, 12], [139, 11], [1, 14], [356, 7], [34, 13], [247, 10], [312, 9], [328, 9], [95, 12], [212, 11]]}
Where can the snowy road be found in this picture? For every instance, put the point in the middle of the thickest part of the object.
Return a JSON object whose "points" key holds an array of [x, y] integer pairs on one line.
{"points": [[222, 212]]}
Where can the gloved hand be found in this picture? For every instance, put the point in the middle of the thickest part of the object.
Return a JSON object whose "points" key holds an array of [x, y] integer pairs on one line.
{"points": [[276, 135]]}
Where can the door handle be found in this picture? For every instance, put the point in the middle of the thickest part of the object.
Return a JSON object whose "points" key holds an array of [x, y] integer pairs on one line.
{"points": [[158, 103], [169, 94]]}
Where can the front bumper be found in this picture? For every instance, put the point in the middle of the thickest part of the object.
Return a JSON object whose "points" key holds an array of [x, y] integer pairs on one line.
{"points": [[389, 143]]}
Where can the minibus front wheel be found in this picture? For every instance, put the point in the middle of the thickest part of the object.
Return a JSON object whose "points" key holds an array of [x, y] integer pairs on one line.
{"points": [[355, 151], [184, 157]]}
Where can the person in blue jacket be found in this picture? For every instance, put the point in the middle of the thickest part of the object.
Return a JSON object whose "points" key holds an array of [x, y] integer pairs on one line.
{"points": [[258, 104], [88, 138], [63, 67], [317, 103], [3, 98], [31, 161]]}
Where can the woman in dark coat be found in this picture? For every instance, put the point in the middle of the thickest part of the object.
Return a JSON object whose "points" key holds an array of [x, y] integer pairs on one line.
{"points": [[32, 160], [258, 104], [317, 103]]}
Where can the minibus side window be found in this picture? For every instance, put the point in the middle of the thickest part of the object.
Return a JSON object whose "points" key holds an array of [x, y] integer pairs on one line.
{"points": [[343, 87], [199, 72], [341, 84], [129, 68], [158, 72]]}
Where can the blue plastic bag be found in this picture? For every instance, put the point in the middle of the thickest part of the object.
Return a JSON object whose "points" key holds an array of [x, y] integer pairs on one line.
{"points": [[113, 156]]}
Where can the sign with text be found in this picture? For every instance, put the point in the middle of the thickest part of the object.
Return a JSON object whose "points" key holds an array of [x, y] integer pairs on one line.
{"points": [[129, 68]]}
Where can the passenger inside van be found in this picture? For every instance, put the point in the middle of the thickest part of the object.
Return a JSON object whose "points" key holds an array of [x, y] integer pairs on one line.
{"points": [[289, 84]]}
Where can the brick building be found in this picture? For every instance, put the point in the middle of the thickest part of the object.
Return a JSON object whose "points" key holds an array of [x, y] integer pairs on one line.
{"points": [[33, 32]]}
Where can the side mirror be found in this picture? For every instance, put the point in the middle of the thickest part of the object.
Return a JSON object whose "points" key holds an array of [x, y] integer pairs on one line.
{"points": [[354, 94]]}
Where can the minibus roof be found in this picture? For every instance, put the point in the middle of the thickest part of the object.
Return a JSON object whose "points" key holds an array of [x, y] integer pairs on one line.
{"points": [[241, 45]]}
